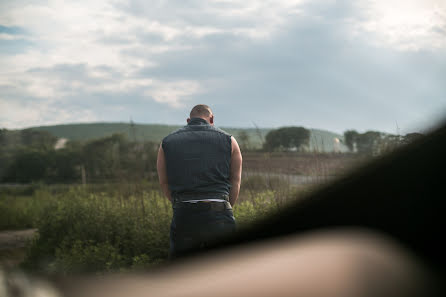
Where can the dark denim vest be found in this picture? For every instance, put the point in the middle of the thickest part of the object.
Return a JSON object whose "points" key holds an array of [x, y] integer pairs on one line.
{"points": [[198, 160]]}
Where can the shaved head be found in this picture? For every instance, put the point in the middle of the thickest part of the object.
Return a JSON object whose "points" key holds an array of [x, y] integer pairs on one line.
{"points": [[201, 111]]}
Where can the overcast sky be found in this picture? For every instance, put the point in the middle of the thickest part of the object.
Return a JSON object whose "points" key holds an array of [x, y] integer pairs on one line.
{"points": [[333, 65]]}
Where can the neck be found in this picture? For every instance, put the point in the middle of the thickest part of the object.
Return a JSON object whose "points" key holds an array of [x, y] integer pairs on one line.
{"points": [[198, 121]]}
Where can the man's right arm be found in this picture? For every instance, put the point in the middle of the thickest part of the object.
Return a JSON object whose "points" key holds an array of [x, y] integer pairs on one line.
{"points": [[162, 172], [236, 171]]}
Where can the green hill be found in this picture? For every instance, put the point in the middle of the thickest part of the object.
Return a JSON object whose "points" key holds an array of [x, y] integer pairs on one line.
{"points": [[82, 132], [320, 140]]}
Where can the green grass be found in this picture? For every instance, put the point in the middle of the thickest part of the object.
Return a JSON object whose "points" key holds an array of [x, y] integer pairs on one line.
{"points": [[21, 208], [90, 232], [105, 228]]}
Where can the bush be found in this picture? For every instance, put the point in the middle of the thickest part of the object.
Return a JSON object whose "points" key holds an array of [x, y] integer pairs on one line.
{"points": [[106, 228], [88, 256], [247, 212], [84, 232], [18, 212]]}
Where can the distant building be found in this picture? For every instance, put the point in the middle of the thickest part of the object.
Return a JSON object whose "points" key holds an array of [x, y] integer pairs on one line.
{"points": [[60, 143], [336, 145]]}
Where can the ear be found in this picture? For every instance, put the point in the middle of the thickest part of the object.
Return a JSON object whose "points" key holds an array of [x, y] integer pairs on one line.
{"points": [[188, 120], [211, 120]]}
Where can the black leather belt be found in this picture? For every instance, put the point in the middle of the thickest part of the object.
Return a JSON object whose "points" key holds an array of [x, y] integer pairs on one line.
{"points": [[204, 205], [198, 196]]}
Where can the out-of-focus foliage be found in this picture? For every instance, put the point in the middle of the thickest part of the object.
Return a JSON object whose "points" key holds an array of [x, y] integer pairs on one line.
{"points": [[376, 143], [350, 138], [31, 156], [83, 231], [99, 228], [26, 142], [27, 138], [244, 141], [287, 138]]}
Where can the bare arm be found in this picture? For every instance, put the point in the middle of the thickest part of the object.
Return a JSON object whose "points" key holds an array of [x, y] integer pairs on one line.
{"points": [[236, 171], [162, 173]]}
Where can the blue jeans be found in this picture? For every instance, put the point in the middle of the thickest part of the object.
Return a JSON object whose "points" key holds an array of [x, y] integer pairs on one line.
{"points": [[194, 228]]}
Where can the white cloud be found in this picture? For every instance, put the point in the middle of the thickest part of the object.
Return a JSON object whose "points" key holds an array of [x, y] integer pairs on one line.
{"points": [[103, 48], [43, 112], [173, 93], [68, 33], [6, 36], [406, 24], [73, 81]]}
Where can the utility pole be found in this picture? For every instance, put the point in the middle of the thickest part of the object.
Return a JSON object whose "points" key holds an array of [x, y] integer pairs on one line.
{"points": [[83, 175], [132, 130]]}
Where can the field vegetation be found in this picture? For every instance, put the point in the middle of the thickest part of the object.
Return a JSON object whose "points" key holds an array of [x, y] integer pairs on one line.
{"points": [[111, 227], [97, 206]]}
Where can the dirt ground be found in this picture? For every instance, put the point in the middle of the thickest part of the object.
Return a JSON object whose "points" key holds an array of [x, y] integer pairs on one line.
{"points": [[13, 246], [301, 163]]}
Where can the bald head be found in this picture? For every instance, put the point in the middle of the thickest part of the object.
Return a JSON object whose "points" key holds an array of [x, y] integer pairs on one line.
{"points": [[202, 111]]}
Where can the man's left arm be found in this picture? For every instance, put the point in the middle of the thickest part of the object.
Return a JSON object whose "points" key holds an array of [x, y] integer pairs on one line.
{"points": [[162, 173], [236, 171]]}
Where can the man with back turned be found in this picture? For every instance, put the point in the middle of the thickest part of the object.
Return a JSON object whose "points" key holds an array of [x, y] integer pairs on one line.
{"points": [[199, 169]]}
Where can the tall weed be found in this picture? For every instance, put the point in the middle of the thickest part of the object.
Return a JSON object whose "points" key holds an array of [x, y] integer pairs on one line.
{"points": [[111, 228], [84, 232]]}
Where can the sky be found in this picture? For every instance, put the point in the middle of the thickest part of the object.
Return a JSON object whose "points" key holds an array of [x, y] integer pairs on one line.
{"points": [[332, 65]]}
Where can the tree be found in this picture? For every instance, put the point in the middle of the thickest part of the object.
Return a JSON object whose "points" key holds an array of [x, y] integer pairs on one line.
{"points": [[109, 158], [101, 157], [368, 142], [408, 138], [243, 140], [388, 143], [41, 140], [28, 166], [350, 138], [287, 138]]}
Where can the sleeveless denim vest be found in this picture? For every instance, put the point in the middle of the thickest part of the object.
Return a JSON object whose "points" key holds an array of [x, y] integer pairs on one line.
{"points": [[198, 159]]}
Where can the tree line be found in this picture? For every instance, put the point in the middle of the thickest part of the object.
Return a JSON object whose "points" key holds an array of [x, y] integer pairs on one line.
{"points": [[298, 139], [31, 156], [375, 142]]}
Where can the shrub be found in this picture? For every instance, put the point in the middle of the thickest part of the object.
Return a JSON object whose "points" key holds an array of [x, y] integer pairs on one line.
{"points": [[18, 212], [247, 212], [106, 228], [80, 226]]}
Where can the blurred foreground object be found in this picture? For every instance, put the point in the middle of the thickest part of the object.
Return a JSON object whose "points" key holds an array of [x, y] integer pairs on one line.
{"points": [[339, 263]]}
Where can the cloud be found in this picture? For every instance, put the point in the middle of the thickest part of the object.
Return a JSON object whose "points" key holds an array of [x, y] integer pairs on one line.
{"points": [[173, 93], [405, 24], [324, 64], [42, 112], [250, 17], [12, 30], [13, 39]]}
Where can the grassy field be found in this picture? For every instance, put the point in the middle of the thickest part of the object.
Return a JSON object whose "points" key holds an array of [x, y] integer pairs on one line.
{"points": [[309, 164], [102, 228], [125, 226]]}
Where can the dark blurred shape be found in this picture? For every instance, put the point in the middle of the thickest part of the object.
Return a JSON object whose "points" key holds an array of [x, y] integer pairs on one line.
{"points": [[401, 194]]}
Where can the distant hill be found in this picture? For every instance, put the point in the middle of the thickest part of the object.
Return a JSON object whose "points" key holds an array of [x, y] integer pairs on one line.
{"points": [[320, 140]]}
